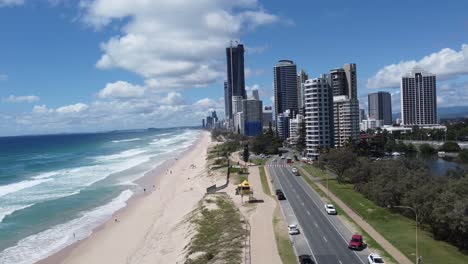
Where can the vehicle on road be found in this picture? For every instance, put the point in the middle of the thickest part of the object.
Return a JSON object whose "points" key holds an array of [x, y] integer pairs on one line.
{"points": [[356, 242], [288, 160], [305, 259], [330, 209], [295, 171], [293, 229], [283, 157], [374, 258], [274, 160], [280, 195]]}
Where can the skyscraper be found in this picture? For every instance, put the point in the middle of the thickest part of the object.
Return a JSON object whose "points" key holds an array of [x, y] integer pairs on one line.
{"points": [[380, 107], [319, 115], [418, 98], [343, 82], [302, 77], [267, 117], [252, 110], [285, 82], [235, 84], [255, 94]]}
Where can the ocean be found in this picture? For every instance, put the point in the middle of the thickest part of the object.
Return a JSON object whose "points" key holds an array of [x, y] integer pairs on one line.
{"points": [[55, 189]]}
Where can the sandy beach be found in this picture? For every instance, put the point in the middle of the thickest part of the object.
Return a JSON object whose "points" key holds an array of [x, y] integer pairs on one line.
{"points": [[151, 228]]}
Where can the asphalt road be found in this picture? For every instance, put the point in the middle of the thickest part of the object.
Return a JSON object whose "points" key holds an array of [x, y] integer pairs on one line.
{"points": [[325, 237]]}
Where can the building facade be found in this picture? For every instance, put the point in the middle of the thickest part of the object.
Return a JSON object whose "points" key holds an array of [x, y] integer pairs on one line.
{"points": [[253, 116], [295, 129], [267, 117], [227, 101], [380, 107], [418, 98], [318, 115], [346, 119], [302, 77], [282, 124], [285, 87], [235, 74], [371, 124]]}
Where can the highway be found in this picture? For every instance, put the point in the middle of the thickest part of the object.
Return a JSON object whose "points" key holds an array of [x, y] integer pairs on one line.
{"points": [[325, 237]]}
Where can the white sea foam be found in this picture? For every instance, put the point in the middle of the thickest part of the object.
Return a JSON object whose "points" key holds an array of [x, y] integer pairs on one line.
{"points": [[8, 210], [45, 175], [121, 155], [126, 140], [39, 246], [15, 187]]}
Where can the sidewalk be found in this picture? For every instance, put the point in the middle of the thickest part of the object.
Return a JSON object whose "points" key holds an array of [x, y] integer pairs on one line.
{"points": [[263, 243], [387, 246]]}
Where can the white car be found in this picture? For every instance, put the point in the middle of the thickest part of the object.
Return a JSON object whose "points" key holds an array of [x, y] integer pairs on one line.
{"points": [[294, 170], [374, 258], [330, 209], [293, 229], [283, 157]]}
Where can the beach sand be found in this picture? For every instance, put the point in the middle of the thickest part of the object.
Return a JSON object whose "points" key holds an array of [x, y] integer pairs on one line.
{"points": [[151, 228]]}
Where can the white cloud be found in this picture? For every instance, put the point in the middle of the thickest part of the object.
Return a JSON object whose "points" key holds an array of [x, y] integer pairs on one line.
{"points": [[22, 99], [452, 94], [11, 2], [172, 98], [74, 108], [3, 77], [446, 63], [173, 44], [121, 89], [39, 109]]}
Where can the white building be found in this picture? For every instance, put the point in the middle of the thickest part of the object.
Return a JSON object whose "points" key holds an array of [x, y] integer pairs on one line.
{"points": [[371, 124], [346, 119], [318, 115], [295, 129]]}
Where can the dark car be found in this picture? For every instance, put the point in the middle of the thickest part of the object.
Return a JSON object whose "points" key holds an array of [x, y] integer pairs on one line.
{"points": [[278, 191], [356, 242], [281, 196], [305, 259]]}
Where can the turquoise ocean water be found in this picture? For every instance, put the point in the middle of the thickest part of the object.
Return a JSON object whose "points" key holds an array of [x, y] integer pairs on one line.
{"points": [[54, 186]]}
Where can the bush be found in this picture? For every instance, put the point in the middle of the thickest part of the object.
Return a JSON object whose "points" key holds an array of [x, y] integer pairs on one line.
{"points": [[463, 155], [426, 149], [450, 146]]}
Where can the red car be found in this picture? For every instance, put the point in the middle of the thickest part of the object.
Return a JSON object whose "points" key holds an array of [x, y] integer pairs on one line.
{"points": [[356, 242]]}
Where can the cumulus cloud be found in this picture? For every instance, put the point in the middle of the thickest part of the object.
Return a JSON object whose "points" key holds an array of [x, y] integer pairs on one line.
{"points": [[172, 98], [170, 52], [22, 99], [446, 64], [121, 89], [452, 94], [74, 108], [39, 109]]}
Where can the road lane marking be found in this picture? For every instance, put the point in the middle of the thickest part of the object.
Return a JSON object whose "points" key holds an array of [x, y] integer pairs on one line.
{"points": [[340, 262], [303, 204], [316, 225], [308, 212], [324, 238]]}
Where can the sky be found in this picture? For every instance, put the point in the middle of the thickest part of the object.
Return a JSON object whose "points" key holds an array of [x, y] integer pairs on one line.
{"points": [[97, 65]]}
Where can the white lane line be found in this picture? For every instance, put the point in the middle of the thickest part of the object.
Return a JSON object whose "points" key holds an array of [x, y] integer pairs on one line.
{"points": [[340, 262], [308, 212], [331, 223], [324, 238], [315, 224], [303, 204], [305, 238]]}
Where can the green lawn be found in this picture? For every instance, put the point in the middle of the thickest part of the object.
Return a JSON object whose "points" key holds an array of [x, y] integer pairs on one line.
{"points": [[258, 162], [397, 229], [264, 180]]}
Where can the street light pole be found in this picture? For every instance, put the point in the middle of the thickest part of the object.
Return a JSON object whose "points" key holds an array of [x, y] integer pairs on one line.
{"points": [[416, 214]]}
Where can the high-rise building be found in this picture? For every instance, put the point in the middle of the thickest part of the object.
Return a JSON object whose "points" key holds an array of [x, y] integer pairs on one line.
{"points": [[371, 124], [302, 77], [343, 82], [346, 119], [285, 82], [236, 104], [295, 129], [255, 94], [362, 115], [418, 98], [267, 117], [227, 100], [318, 115], [235, 74], [203, 123], [282, 124], [380, 107], [253, 115]]}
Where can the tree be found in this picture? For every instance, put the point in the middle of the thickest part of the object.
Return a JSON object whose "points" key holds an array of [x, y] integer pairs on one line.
{"points": [[450, 146], [463, 155], [245, 154], [339, 161], [426, 149]]}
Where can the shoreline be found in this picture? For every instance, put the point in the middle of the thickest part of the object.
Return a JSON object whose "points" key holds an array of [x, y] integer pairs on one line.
{"points": [[150, 178]]}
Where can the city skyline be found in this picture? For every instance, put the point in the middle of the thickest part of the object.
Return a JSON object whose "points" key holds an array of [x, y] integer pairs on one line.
{"points": [[90, 83]]}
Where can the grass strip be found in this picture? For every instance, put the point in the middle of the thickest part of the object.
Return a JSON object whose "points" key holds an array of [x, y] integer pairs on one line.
{"points": [[220, 232], [285, 249], [397, 229], [263, 179]]}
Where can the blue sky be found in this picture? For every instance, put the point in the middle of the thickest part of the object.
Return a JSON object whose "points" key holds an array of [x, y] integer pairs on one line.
{"points": [[92, 65]]}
